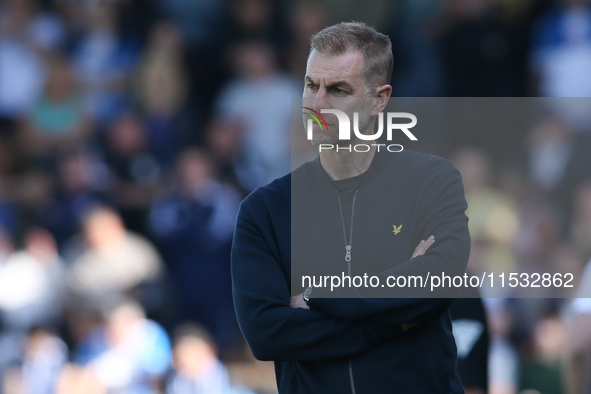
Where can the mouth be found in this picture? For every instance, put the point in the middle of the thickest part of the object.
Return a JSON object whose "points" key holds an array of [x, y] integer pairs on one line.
{"points": [[324, 128]]}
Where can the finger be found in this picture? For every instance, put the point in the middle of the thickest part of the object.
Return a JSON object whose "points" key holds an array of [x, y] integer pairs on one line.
{"points": [[420, 245], [417, 250], [428, 243], [423, 250], [294, 300], [423, 246]]}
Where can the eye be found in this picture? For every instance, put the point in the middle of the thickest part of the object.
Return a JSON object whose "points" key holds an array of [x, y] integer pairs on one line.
{"points": [[339, 92], [311, 86]]}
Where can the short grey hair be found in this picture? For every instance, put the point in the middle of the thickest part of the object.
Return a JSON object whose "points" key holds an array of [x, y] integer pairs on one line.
{"points": [[375, 47]]}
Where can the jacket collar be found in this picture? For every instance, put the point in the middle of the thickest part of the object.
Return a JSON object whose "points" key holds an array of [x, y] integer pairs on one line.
{"points": [[320, 178]]}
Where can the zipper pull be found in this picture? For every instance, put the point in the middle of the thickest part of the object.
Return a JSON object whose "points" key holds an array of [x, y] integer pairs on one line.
{"points": [[348, 253]]}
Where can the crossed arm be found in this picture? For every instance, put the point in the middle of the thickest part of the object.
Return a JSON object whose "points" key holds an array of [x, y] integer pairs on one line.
{"points": [[298, 300], [443, 216], [277, 328], [273, 329]]}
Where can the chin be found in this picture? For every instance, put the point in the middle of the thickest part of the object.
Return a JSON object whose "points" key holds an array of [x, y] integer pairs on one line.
{"points": [[324, 139]]}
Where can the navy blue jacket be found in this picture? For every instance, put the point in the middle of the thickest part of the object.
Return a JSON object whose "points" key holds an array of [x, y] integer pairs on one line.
{"points": [[354, 345]]}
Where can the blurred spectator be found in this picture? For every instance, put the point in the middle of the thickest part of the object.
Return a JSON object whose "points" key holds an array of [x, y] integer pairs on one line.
{"points": [[128, 152], [581, 220], [31, 284], [253, 18], [111, 261], [6, 245], [542, 371], [22, 71], [58, 120], [258, 20], [305, 19], [133, 357], [135, 173], [205, 27], [493, 215], [503, 357], [540, 233], [104, 58], [199, 21], [8, 348], [479, 51], [27, 20], [44, 356], [197, 369], [193, 225], [137, 353], [376, 15], [223, 143], [417, 61], [573, 111], [558, 152], [470, 330], [8, 153], [9, 217], [561, 53], [259, 99], [579, 336], [162, 85], [78, 188], [247, 371], [550, 146]]}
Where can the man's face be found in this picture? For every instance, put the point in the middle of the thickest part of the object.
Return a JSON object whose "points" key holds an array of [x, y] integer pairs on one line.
{"points": [[335, 82]]}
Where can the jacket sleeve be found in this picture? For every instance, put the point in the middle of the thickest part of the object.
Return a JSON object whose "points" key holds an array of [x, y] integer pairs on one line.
{"points": [[273, 329], [442, 214]]}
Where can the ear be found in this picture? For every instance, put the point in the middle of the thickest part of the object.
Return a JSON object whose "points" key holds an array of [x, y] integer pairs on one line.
{"points": [[382, 95]]}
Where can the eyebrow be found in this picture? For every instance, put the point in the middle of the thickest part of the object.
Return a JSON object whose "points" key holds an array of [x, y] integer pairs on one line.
{"points": [[336, 84]]}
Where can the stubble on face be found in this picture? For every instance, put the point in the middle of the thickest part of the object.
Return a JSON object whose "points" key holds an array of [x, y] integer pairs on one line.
{"points": [[323, 136], [336, 82], [331, 136]]}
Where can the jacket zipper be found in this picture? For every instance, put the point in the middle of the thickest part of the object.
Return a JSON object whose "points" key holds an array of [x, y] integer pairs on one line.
{"points": [[348, 242], [351, 376], [348, 247]]}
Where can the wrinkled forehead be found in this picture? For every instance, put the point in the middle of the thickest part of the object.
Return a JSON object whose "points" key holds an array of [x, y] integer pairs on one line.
{"points": [[328, 69]]}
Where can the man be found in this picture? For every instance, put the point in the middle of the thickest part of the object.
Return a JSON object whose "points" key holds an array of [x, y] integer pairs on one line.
{"points": [[192, 224], [351, 345]]}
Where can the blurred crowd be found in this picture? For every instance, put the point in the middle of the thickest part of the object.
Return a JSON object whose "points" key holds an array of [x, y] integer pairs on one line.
{"points": [[130, 130]]}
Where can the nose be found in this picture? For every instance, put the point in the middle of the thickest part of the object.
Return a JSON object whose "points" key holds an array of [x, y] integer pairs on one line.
{"points": [[321, 100]]}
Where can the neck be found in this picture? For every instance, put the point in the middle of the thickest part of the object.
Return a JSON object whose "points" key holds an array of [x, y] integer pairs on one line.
{"points": [[344, 164]]}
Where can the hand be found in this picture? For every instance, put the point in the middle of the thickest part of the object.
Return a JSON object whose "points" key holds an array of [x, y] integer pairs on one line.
{"points": [[423, 246], [298, 302]]}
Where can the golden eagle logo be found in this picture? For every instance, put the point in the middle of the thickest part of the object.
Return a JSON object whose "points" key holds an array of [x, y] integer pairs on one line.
{"points": [[396, 229]]}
